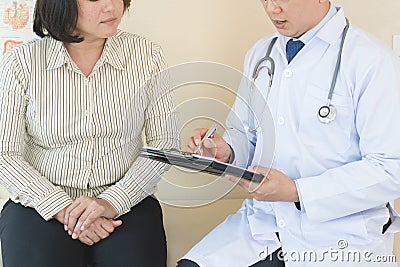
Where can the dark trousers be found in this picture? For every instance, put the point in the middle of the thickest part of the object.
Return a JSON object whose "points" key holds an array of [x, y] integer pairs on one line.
{"points": [[28, 240], [274, 260]]}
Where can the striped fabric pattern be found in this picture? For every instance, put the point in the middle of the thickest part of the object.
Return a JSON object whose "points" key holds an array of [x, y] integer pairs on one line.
{"points": [[64, 135]]}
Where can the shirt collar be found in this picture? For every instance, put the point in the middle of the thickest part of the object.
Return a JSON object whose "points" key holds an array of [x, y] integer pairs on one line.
{"points": [[332, 31], [112, 53], [55, 53], [307, 36], [58, 56]]}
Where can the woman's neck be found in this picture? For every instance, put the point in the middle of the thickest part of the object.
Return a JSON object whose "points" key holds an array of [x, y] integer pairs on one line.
{"points": [[85, 54]]}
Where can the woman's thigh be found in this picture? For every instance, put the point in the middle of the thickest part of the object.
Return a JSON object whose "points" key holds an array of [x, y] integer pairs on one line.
{"points": [[139, 241], [28, 240]]}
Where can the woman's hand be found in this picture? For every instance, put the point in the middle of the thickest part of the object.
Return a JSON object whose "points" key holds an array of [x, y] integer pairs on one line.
{"points": [[275, 186], [98, 230], [214, 147], [83, 212], [60, 215]]}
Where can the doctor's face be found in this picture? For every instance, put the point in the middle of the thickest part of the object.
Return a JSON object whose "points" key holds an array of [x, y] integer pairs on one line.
{"points": [[294, 17]]}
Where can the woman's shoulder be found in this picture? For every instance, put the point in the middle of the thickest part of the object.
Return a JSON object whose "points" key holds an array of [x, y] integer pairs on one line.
{"points": [[25, 50], [36, 42], [134, 40]]}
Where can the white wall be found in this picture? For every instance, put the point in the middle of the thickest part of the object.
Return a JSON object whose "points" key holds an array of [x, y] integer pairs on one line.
{"points": [[222, 30]]}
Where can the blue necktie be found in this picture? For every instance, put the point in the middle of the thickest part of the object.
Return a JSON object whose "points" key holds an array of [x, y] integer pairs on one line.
{"points": [[292, 48]]}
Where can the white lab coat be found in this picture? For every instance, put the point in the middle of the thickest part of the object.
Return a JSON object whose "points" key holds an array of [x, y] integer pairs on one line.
{"points": [[346, 171]]}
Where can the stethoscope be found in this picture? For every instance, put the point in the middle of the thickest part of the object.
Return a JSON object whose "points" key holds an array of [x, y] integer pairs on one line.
{"points": [[326, 113]]}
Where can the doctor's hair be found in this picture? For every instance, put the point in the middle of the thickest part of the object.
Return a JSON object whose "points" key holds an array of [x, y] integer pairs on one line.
{"points": [[58, 19]]}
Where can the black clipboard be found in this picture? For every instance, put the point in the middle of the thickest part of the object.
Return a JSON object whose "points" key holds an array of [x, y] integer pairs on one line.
{"points": [[199, 163]]}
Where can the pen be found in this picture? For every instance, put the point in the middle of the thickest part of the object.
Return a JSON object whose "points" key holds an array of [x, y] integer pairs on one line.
{"points": [[209, 133]]}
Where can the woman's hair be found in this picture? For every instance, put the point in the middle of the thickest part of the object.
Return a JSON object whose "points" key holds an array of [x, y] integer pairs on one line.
{"points": [[58, 19]]}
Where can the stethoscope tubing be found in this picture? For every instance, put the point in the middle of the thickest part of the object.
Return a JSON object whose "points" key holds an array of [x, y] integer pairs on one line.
{"points": [[339, 59], [271, 70], [324, 118]]}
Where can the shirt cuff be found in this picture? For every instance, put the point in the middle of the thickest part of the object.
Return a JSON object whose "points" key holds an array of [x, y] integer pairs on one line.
{"points": [[53, 203], [299, 205], [232, 155], [118, 198]]}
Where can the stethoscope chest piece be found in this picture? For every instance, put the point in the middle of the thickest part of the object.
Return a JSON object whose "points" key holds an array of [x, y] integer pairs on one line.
{"points": [[327, 113]]}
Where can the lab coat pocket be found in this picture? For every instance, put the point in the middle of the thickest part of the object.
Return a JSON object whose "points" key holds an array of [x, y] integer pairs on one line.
{"points": [[333, 136], [349, 230], [262, 221]]}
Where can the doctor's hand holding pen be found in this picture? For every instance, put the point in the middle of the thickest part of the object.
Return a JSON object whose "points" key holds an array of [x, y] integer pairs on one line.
{"points": [[276, 185], [210, 144]]}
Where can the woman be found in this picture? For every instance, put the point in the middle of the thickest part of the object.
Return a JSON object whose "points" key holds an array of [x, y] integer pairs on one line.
{"points": [[74, 104]]}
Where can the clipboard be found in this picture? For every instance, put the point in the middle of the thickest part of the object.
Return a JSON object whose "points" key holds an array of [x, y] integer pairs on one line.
{"points": [[199, 163]]}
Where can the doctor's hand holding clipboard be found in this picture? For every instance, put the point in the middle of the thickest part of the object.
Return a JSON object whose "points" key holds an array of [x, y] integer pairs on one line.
{"points": [[276, 186]]}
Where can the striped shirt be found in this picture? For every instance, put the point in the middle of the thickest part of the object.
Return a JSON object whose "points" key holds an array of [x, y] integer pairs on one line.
{"points": [[65, 135]]}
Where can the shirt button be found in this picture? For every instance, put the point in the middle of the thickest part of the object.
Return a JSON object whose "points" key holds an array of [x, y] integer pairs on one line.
{"points": [[281, 224], [287, 73], [281, 120]]}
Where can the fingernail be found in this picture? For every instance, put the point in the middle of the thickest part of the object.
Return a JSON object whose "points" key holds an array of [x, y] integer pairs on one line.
{"points": [[82, 228], [65, 228], [74, 236], [69, 232]]}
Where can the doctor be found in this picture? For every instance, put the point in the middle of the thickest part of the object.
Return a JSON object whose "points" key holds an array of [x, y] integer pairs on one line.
{"points": [[326, 200]]}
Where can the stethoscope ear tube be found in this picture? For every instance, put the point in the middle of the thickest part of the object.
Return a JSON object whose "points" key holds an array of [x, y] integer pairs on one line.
{"points": [[267, 58], [271, 72]]}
